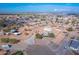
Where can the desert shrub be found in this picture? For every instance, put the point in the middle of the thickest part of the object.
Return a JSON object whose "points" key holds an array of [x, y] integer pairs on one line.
{"points": [[18, 53], [38, 36], [8, 40], [51, 35]]}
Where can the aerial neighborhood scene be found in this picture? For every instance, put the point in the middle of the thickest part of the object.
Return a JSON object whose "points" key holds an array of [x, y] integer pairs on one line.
{"points": [[39, 28]]}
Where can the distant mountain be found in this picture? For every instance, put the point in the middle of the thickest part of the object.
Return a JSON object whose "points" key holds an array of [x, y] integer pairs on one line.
{"points": [[57, 13]]}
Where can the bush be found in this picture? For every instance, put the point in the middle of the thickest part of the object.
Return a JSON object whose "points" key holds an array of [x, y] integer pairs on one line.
{"points": [[51, 35], [18, 53], [13, 40], [8, 40], [5, 40], [38, 36]]}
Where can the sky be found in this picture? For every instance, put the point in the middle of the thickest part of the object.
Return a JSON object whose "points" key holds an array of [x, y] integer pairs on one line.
{"points": [[38, 7]]}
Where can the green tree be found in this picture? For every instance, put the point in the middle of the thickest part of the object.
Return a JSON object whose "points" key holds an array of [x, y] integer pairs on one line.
{"points": [[38, 36], [13, 40]]}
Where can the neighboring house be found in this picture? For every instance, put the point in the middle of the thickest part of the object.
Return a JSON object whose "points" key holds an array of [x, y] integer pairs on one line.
{"points": [[47, 30]]}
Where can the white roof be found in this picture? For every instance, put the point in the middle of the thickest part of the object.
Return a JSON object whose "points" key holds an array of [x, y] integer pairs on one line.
{"points": [[47, 29]]}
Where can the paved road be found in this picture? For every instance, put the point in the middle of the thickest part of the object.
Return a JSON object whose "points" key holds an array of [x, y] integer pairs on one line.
{"points": [[60, 49], [40, 50]]}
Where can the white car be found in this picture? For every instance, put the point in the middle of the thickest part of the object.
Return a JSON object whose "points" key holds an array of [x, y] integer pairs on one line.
{"points": [[17, 33]]}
